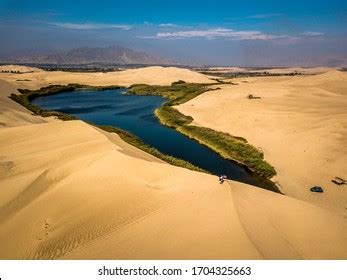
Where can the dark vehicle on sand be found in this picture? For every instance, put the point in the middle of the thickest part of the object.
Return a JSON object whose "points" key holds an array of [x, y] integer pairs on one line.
{"points": [[317, 189]]}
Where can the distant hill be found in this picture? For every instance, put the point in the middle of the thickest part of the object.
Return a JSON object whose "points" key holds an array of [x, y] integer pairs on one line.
{"points": [[113, 54]]}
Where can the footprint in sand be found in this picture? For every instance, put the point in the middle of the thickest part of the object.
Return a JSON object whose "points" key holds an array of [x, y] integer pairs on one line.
{"points": [[45, 232]]}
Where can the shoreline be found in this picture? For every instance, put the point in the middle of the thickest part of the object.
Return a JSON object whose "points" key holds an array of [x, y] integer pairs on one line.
{"points": [[233, 148], [28, 95]]}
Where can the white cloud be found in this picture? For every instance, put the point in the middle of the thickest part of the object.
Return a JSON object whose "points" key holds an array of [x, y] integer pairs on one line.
{"points": [[168, 25], [90, 26], [220, 33], [146, 37], [265, 16], [311, 33]]}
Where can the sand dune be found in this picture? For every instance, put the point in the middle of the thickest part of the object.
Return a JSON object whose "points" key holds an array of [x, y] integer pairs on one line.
{"points": [[299, 122], [225, 69], [71, 191], [13, 114], [148, 75]]}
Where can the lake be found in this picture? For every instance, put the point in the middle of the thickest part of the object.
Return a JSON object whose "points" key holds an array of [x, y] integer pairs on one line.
{"points": [[136, 114]]}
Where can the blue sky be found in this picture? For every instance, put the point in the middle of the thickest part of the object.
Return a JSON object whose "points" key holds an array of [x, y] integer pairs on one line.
{"points": [[199, 32]]}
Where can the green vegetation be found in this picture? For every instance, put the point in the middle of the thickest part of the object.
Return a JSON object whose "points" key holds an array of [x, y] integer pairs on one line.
{"points": [[228, 146], [137, 142], [54, 89], [24, 100], [178, 93], [28, 95], [171, 117]]}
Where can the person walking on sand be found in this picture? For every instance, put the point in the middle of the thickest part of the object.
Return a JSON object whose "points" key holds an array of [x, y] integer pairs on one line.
{"points": [[221, 179]]}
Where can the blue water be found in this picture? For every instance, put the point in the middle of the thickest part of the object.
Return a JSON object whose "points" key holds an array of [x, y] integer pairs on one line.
{"points": [[136, 114]]}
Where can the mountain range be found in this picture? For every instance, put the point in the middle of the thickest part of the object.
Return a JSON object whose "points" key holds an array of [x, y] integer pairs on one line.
{"points": [[85, 55]]}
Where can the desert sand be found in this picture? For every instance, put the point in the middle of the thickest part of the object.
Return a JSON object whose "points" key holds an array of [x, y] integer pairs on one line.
{"points": [[69, 191], [300, 123], [149, 75]]}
